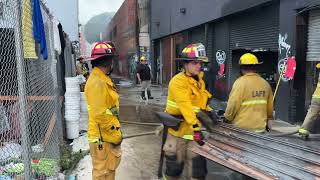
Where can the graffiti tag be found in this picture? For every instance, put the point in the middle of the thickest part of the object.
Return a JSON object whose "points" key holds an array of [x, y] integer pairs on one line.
{"points": [[220, 57], [282, 64], [284, 45]]}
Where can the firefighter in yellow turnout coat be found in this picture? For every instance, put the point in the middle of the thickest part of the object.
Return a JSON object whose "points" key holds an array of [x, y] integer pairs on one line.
{"points": [[250, 104], [186, 96], [104, 133], [313, 111]]}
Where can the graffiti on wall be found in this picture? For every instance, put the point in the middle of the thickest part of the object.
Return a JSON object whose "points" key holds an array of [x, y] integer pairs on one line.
{"points": [[220, 56], [219, 84], [284, 54], [283, 45], [221, 59], [133, 62]]}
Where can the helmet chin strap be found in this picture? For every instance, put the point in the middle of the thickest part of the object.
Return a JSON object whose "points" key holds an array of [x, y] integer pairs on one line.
{"points": [[111, 70]]}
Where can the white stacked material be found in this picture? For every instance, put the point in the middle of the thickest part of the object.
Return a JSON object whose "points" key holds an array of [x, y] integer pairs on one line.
{"points": [[83, 112], [84, 121], [83, 103], [72, 107], [72, 128]]}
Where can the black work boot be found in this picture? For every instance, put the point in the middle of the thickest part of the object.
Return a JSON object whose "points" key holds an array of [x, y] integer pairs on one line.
{"points": [[143, 95], [149, 95]]}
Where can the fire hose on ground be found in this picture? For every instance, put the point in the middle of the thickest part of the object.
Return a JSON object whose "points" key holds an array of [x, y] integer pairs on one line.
{"points": [[157, 131]]}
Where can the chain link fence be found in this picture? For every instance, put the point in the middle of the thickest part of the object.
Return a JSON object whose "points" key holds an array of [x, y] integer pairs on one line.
{"points": [[30, 107]]}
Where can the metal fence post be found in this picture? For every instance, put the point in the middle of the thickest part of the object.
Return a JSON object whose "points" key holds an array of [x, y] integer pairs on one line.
{"points": [[58, 100], [22, 101]]}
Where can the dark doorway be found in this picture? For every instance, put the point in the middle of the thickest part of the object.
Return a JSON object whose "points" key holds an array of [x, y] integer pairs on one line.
{"points": [[268, 70]]}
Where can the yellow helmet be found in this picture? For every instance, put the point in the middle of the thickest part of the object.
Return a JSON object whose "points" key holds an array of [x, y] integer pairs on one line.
{"points": [[318, 66], [143, 58], [249, 59]]}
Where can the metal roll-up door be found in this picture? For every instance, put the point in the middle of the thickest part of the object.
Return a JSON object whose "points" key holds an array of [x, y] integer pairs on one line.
{"points": [[313, 53], [313, 57], [197, 35], [258, 28], [209, 50], [209, 43]]}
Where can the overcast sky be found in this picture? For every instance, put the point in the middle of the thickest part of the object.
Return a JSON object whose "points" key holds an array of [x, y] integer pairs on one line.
{"points": [[65, 11], [90, 8]]}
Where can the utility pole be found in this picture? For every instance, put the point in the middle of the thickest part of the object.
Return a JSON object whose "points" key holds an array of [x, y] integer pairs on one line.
{"points": [[22, 101], [77, 5]]}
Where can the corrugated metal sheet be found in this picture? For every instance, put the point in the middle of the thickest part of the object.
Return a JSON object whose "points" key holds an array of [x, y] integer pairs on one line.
{"points": [[313, 53], [258, 28], [261, 156]]}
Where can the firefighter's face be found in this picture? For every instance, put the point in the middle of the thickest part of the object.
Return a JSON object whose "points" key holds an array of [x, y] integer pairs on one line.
{"points": [[193, 68], [143, 62]]}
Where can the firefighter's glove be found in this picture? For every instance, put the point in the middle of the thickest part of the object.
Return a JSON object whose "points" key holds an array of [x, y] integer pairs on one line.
{"points": [[225, 120], [198, 137], [214, 116], [303, 132]]}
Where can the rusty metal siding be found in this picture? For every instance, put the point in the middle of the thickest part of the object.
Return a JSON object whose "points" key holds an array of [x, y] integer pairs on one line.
{"points": [[261, 156]]}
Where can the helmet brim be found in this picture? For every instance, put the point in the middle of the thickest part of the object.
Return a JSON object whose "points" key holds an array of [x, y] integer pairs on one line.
{"points": [[251, 64], [98, 57], [191, 59]]}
